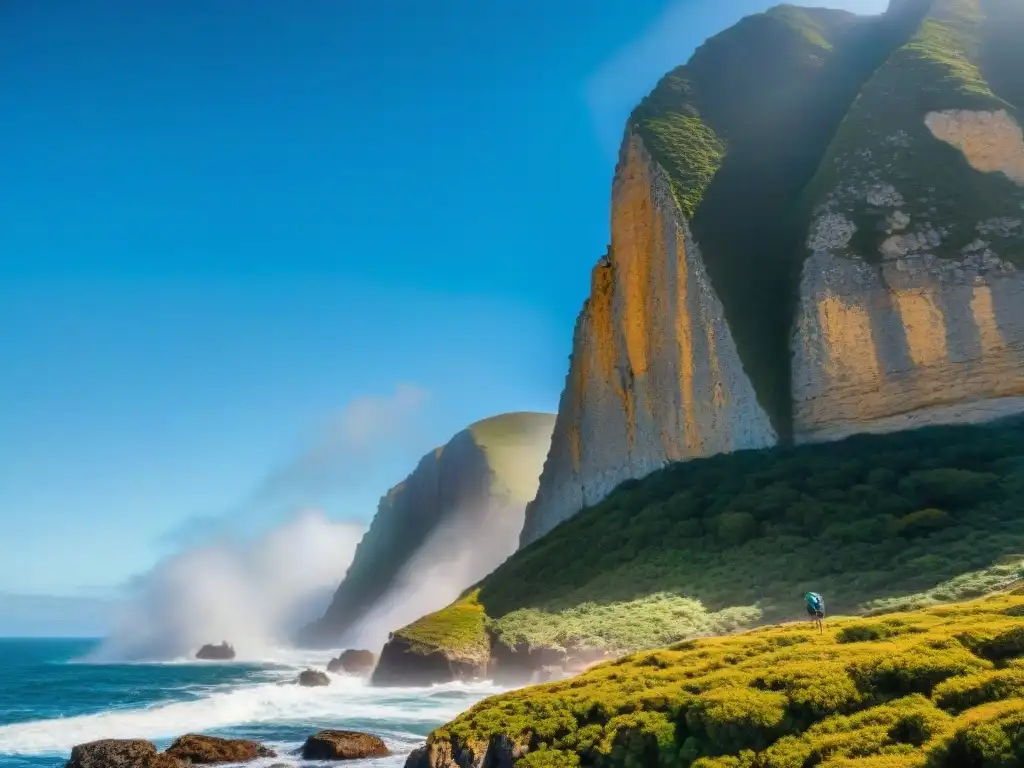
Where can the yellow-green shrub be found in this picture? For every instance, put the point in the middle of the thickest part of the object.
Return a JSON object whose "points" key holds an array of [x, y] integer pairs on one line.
{"points": [[783, 697], [960, 693]]}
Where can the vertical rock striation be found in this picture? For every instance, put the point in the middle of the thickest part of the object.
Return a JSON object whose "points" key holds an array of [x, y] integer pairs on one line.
{"points": [[916, 340], [654, 375]]}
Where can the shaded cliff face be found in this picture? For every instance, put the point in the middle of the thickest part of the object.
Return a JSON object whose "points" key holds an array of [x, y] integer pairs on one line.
{"points": [[473, 491], [655, 376], [911, 301]]}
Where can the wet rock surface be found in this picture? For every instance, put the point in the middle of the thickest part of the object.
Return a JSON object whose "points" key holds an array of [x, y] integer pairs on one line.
{"points": [[312, 678], [211, 750], [403, 664], [343, 745], [221, 652], [353, 662], [120, 753]]}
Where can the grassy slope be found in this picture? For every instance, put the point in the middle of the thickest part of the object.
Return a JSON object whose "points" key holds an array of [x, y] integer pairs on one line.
{"points": [[938, 69], [941, 687], [516, 445], [875, 522], [696, 111], [460, 629]]}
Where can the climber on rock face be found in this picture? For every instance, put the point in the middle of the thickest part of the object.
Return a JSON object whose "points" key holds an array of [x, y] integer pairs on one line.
{"points": [[816, 609]]}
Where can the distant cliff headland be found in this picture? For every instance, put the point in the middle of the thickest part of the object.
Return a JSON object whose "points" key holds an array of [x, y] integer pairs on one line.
{"points": [[458, 514]]}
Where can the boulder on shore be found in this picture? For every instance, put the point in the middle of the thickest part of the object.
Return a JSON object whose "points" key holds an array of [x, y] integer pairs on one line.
{"points": [[120, 753], [312, 678], [343, 745], [353, 663], [210, 750], [219, 652]]}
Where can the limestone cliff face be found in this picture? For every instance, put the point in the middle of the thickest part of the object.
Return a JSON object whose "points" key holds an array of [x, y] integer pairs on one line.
{"points": [[471, 494], [654, 375], [916, 340]]}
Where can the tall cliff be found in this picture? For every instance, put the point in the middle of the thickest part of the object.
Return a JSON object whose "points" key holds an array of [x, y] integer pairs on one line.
{"points": [[911, 303], [655, 376], [816, 228], [473, 491]]}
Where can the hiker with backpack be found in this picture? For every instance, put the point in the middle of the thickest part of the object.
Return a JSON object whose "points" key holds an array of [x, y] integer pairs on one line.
{"points": [[816, 609]]}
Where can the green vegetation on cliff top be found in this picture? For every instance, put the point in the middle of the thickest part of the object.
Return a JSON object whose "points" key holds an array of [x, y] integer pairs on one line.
{"points": [[875, 523], [459, 629], [946, 65], [935, 688]]}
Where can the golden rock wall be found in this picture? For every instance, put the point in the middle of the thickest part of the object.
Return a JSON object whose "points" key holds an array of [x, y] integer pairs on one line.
{"points": [[655, 376]]}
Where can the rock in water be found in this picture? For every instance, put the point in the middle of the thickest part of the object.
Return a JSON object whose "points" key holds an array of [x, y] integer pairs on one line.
{"points": [[120, 753], [477, 484], [343, 745], [312, 678], [221, 652], [353, 662], [210, 750]]}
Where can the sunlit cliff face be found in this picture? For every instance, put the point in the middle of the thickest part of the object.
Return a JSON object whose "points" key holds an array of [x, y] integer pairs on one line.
{"points": [[655, 376]]}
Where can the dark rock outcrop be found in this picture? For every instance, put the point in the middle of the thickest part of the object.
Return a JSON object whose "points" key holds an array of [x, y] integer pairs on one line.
{"points": [[343, 745], [211, 750], [312, 678], [498, 752], [221, 652], [435, 650], [404, 663], [120, 753], [353, 662]]}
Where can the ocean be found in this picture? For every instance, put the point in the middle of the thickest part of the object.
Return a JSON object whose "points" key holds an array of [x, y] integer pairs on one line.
{"points": [[51, 700]]}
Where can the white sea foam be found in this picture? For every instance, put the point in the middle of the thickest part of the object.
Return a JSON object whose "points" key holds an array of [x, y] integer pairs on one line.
{"points": [[346, 699], [253, 592]]}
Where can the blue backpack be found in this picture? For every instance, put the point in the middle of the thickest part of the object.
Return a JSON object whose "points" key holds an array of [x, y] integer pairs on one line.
{"points": [[814, 602]]}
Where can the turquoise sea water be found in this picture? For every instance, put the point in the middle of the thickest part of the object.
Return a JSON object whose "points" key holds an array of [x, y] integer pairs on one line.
{"points": [[50, 700]]}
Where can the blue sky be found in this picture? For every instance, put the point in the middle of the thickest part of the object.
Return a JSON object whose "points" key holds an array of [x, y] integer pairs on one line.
{"points": [[226, 231]]}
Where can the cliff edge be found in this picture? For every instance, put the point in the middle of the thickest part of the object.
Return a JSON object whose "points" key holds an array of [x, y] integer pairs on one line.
{"points": [[654, 375]]}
